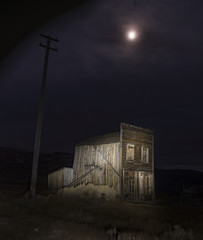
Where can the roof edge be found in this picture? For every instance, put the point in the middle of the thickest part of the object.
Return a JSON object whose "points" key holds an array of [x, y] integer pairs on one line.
{"points": [[137, 128]]}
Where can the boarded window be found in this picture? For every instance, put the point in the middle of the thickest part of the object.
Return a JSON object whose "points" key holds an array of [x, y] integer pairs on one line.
{"points": [[145, 155], [130, 152]]}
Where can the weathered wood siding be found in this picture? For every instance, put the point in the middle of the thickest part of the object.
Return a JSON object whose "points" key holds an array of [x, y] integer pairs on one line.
{"points": [[137, 177], [60, 178], [104, 158], [68, 176]]}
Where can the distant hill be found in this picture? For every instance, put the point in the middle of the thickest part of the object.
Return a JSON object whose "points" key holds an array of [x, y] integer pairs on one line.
{"points": [[173, 181], [16, 166]]}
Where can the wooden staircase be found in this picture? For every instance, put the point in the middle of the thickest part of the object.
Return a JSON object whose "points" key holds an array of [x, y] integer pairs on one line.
{"points": [[76, 181]]}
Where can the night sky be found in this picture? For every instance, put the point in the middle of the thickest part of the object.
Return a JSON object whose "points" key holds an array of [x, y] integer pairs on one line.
{"points": [[99, 78]]}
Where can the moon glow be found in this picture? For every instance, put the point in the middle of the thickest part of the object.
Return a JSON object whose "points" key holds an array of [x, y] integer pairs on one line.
{"points": [[131, 35]]}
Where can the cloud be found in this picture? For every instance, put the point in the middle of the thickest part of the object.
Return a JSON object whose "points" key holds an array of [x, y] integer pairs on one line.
{"points": [[98, 78]]}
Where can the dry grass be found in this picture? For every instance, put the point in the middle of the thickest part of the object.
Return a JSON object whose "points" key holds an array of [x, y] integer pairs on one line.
{"points": [[88, 192], [65, 217]]}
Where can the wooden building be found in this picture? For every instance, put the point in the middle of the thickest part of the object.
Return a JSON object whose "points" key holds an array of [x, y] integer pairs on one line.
{"points": [[122, 160], [60, 178]]}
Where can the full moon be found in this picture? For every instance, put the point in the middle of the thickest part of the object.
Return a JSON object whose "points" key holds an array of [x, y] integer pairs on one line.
{"points": [[132, 35]]}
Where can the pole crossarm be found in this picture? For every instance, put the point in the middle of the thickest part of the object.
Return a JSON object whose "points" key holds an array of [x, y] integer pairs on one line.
{"points": [[45, 46], [49, 37]]}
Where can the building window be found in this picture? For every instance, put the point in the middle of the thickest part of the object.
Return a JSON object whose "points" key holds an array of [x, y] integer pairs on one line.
{"points": [[130, 152], [145, 155], [147, 185]]}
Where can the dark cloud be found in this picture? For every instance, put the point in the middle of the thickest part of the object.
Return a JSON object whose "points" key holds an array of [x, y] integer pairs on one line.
{"points": [[98, 79]]}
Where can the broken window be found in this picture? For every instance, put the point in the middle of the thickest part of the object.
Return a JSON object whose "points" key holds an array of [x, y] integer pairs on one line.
{"points": [[130, 152], [145, 155]]}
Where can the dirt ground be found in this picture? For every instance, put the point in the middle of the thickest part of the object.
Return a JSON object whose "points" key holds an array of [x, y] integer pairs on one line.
{"points": [[58, 217]]}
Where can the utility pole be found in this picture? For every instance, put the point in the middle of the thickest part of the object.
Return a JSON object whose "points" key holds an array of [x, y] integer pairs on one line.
{"points": [[40, 116]]}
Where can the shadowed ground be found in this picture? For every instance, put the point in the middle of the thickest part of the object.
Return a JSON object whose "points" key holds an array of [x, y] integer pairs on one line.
{"points": [[56, 217], [65, 215]]}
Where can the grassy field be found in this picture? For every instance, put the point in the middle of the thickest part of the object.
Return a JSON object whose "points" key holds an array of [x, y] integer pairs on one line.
{"points": [[55, 217]]}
